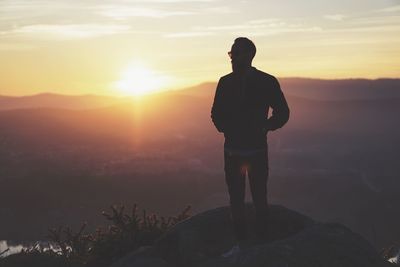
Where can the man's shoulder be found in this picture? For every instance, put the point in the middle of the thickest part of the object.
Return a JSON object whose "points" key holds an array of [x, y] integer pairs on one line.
{"points": [[264, 75], [226, 77], [259, 74]]}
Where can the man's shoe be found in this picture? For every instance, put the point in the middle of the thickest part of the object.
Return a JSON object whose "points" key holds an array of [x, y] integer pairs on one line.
{"points": [[234, 251]]}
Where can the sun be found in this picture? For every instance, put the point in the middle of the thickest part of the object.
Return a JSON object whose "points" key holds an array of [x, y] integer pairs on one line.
{"points": [[138, 79]]}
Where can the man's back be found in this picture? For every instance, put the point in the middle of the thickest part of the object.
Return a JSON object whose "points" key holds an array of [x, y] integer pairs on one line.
{"points": [[241, 105]]}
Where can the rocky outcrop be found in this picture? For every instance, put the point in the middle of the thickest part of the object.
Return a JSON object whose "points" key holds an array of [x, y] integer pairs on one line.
{"points": [[293, 240]]}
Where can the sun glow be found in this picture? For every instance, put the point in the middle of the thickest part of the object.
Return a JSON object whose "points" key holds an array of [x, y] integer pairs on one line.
{"points": [[138, 79]]}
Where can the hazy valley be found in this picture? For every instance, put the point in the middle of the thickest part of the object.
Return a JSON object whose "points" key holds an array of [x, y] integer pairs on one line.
{"points": [[64, 159]]}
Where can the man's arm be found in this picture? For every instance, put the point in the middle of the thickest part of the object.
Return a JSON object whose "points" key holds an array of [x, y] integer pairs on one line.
{"points": [[280, 109], [216, 110]]}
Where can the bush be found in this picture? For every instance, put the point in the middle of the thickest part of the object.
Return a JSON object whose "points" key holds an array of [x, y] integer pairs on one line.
{"points": [[126, 233]]}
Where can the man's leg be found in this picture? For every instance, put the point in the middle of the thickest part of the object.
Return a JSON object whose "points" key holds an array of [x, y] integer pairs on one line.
{"points": [[235, 180], [258, 177]]}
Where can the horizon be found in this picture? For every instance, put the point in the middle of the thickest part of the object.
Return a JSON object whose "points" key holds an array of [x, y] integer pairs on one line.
{"points": [[137, 47], [188, 87]]}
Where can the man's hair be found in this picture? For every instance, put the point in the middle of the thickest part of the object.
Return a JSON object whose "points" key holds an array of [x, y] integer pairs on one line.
{"points": [[246, 44]]}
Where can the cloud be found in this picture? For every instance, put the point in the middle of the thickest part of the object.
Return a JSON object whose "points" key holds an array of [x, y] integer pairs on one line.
{"points": [[336, 17], [264, 27], [218, 10], [390, 9], [20, 11], [124, 12], [84, 12], [188, 34], [371, 21], [265, 21], [68, 31], [374, 21]]}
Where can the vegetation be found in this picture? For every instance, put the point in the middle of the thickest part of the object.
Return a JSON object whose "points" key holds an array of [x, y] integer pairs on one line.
{"points": [[391, 251], [126, 233]]}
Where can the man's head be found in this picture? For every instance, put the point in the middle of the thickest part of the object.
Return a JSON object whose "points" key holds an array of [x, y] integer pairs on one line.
{"points": [[242, 53]]}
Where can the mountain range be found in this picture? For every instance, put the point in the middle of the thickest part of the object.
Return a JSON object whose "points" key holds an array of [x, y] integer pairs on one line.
{"points": [[65, 158]]}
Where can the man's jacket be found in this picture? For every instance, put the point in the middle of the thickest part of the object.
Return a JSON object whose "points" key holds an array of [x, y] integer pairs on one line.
{"points": [[241, 105]]}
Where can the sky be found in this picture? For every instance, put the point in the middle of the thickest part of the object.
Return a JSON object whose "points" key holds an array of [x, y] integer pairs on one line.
{"points": [[102, 47]]}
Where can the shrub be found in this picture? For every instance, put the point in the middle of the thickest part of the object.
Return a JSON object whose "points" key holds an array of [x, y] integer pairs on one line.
{"points": [[126, 233]]}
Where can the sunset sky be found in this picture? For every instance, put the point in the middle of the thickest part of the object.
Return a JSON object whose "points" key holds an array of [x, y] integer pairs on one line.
{"points": [[104, 47]]}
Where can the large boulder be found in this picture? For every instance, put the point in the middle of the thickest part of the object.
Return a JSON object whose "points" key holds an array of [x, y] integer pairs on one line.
{"points": [[142, 257], [293, 240]]}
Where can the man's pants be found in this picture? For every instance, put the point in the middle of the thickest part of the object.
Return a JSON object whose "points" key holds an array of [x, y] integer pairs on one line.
{"points": [[256, 166]]}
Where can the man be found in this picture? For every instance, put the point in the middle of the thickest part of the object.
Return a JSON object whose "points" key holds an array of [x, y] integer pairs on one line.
{"points": [[240, 111]]}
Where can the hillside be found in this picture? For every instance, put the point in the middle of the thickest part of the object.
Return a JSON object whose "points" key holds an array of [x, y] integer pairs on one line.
{"points": [[64, 165]]}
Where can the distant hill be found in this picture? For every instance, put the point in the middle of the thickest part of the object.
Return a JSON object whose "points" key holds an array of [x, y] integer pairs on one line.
{"points": [[320, 89], [51, 100], [171, 114], [341, 89], [317, 89]]}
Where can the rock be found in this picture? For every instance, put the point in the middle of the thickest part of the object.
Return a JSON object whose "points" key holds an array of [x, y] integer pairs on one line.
{"points": [[210, 233], [141, 257], [320, 245], [293, 240]]}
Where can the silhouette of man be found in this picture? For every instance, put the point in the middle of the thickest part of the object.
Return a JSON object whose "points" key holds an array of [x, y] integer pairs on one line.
{"points": [[240, 111]]}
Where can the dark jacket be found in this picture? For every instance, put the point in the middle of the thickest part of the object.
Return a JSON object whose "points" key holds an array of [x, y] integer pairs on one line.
{"points": [[240, 108]]}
